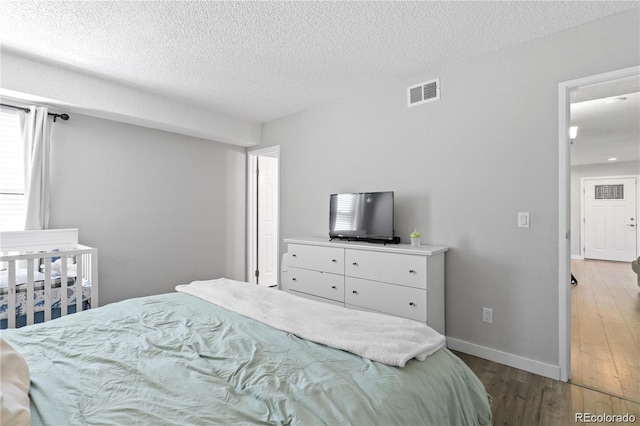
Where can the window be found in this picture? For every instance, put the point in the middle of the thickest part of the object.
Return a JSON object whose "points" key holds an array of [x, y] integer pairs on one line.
{"points": [[609, 192], [12, 186]]}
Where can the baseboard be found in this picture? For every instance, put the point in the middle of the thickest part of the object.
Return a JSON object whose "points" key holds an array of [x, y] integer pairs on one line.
{"points": [[577, 257], [515, 361]]}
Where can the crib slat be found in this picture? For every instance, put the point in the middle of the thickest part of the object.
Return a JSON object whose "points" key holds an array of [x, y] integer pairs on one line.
{"points": [[63, 287], [79, 276], [93, 259], [47, 289], [30, 292], [11, 293]]}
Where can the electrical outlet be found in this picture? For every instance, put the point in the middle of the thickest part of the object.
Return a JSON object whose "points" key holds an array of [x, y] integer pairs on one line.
{"points": [[487, 315]]}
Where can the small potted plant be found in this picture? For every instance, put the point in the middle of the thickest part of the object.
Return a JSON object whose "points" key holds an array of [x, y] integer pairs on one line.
{"points": [[415, 238]]}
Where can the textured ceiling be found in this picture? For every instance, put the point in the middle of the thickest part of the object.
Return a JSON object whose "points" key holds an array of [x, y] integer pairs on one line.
{"points": [[608, 119], [265, 60]]}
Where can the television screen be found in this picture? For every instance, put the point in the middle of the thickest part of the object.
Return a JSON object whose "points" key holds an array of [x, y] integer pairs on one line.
{"points": [[361, 216]]}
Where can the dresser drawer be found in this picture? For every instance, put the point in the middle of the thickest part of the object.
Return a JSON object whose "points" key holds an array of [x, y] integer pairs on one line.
{"points": [[327, 259], [403, 269], [321, 284], [392, 299]]}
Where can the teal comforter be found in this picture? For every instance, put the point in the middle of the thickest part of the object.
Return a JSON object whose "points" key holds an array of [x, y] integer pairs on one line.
{"points": [[174, 359]]}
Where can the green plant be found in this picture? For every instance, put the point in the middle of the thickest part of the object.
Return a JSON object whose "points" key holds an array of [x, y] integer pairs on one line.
{"points": [[415, 234]]}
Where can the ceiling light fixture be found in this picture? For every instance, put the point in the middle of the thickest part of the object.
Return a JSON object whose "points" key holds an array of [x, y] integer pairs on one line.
{"points": [[612, 159], [573, 132]]}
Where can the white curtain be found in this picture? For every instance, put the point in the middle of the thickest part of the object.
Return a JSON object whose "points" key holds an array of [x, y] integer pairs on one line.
{"points": [[36, 130]]}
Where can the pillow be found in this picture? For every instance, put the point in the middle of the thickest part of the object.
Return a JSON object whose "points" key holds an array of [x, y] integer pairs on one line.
{"points": [[57, 265], [14, 387]]}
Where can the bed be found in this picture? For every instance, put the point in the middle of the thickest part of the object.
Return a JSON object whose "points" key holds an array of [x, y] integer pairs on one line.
{"points": [[45, 274], [212, 353]]}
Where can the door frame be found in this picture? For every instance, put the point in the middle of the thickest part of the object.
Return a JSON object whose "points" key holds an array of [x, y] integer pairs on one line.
{"points": [[583, 208], [252, 211], [564, 209]]}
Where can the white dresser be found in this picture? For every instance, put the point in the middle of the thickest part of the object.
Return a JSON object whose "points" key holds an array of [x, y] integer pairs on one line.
{"points": [[396, 279]]}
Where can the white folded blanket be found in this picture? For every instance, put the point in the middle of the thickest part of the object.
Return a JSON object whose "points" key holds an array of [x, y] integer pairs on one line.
{"points": [[21, 277], [383, 338]]}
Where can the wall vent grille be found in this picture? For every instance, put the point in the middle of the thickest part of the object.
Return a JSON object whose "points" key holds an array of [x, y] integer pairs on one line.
{"points": [[427, 91]]}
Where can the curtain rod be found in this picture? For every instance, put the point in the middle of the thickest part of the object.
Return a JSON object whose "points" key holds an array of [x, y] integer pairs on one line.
{"points": [[55, 116]]}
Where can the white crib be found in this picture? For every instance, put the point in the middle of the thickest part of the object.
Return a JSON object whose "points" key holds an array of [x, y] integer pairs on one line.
{"points": [[32, 281]]}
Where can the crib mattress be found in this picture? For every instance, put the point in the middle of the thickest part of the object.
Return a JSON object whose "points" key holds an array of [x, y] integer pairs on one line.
{"points": [[39, 300]]}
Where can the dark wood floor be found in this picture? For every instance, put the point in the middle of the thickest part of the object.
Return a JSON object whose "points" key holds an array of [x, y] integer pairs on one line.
{"points": [[522, 398]]}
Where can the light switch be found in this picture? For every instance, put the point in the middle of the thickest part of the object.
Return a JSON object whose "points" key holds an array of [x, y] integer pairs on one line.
{"points": [[523, 219]]}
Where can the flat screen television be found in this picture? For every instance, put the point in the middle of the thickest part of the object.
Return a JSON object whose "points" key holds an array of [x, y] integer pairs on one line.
{"points": [[366, 216]]}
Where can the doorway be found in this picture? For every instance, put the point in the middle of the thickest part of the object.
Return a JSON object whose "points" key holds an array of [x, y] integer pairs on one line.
{"points": [[263, 177], [570, 231]]}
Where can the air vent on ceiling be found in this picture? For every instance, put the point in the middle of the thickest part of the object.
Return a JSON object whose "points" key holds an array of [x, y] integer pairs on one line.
{"points": [[423, 92]]}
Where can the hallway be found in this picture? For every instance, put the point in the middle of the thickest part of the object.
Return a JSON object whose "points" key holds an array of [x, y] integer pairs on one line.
{"points": [[605, 328]]}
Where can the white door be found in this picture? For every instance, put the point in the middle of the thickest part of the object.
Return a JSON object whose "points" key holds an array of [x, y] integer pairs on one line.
{"points": [[610, 219], [267, 221]]}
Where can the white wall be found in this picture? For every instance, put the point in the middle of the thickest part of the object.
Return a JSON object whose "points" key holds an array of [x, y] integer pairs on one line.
{"points": [[462, 168], [74, 91], [625, 168], [162, 208]]}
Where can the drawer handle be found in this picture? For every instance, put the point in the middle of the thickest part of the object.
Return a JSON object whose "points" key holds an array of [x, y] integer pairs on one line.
{"points": [[412, 304], [334, 287], [355, 263], [355, 292], [294, 255], [334, 261], [294, 279], [411, 271]]}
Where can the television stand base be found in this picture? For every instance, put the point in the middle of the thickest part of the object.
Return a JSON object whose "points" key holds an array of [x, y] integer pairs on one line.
{"points": [[394, 240]]}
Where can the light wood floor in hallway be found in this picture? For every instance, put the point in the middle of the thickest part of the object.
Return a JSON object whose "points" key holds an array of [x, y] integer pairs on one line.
{"points": [[605, 328]]}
